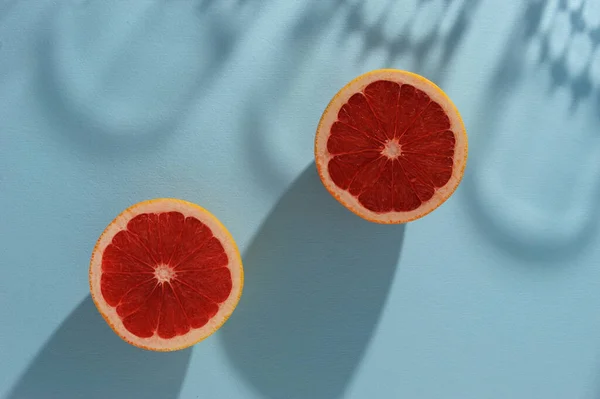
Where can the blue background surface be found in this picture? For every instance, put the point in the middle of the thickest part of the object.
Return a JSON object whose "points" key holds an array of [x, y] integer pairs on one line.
{"points": [[495, 295]]}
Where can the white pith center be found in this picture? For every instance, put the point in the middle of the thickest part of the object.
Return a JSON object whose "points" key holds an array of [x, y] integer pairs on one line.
{"points": [[164, 273], [392, 149]]}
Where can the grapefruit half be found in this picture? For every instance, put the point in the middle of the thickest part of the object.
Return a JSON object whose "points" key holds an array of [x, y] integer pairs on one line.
{"points": [[391, 146], [165, 274]]}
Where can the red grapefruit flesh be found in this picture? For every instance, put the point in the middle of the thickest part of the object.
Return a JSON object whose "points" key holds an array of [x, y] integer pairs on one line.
{"points": [[165, 274], [391, 146]]}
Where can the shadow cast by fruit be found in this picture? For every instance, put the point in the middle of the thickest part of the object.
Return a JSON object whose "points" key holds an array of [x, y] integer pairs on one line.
{"points": [[86, 359], [317, 279]]}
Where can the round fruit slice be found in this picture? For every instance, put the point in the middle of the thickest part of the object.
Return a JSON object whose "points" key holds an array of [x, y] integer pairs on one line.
{"points": [[391, 146], [165, 274]]}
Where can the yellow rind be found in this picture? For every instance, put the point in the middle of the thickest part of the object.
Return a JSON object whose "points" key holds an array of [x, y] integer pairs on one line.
{"points": [[207, 214], [329, 185]]}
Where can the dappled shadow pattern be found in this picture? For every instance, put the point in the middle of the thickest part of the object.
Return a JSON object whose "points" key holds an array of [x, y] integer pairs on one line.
{"points": [[430, 35], [86, 359], [428, 31], [566, 35], [317, 280], [546, 39]]}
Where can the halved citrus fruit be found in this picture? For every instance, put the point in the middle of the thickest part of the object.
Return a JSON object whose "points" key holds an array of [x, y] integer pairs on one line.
{"points": [[165, 274], [391, 146]]}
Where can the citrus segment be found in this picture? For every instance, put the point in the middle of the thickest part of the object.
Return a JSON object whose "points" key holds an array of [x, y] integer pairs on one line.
{"points": [[165, 274], [391, 146]]}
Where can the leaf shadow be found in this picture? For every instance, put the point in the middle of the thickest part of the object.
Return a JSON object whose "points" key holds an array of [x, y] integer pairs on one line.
{"points": [[433, 54], [546, 240], [423, 43], [84, 358], [317, 280]]}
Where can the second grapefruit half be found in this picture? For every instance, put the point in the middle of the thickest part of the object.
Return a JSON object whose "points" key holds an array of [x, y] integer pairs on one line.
{"points": [[165, 274], [391, 146]]}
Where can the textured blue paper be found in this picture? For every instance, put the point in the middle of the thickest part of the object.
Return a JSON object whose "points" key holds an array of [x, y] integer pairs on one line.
{"points": [[495, 295]]}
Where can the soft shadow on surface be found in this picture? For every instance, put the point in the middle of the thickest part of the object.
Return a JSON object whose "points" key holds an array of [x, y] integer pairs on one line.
{"points": [[111, 119], [6, 7], [302, 37], [431, 34], [566, 36], [532, 49], [86, 359], [317, 278], [392, 32], [557, 242], [207, 4]]}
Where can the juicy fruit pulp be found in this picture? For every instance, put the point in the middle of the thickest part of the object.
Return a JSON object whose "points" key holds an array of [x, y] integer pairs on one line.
{"points": [[391, 147], [165, 274]]}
